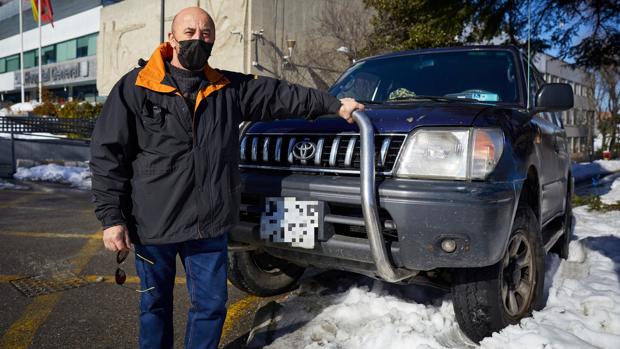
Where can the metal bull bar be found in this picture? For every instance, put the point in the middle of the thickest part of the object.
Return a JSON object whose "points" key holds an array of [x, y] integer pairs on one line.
{"points": [[385, 270]]}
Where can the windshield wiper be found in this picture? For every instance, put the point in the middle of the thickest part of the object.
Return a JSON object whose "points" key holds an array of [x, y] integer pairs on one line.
{"points": [[369, 102], [432, 98]]}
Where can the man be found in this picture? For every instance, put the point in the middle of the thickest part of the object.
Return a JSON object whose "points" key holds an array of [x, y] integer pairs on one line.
{"points": [[164, 160]]}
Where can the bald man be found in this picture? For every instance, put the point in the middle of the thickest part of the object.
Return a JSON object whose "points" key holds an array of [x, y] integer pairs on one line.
{"points": [[165, 177]]}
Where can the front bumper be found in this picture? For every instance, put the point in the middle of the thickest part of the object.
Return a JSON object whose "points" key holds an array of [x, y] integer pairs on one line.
{"points": [[477, 215]]}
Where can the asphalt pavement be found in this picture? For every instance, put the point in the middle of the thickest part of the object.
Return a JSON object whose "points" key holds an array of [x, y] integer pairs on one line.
{"points": [[50, 239]]}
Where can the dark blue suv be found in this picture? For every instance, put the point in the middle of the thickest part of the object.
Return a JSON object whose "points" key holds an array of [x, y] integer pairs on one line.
{"points": [[456, 175]]}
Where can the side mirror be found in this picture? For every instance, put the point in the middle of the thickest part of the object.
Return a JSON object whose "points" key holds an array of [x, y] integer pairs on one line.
{"points": [[554, 97]]}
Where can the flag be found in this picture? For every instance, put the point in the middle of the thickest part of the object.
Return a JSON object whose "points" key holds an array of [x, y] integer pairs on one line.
{"points": [[47, 14]]}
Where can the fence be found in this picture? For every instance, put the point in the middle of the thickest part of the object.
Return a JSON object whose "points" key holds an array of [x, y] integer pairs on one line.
{"points": [[41, 139], [71, 128]]}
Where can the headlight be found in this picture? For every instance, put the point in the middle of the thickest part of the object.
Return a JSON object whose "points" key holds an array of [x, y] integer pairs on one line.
{"points": [[455, 153]]}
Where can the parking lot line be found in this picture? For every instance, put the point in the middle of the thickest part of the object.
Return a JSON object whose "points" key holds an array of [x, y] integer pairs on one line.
{"points": [[237, 310], [22, 331], [33, 234]]}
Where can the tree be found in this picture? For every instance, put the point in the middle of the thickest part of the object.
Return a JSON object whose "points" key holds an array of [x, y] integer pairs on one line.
{"points": [[587, 31], [608, 100], [334, 45]]}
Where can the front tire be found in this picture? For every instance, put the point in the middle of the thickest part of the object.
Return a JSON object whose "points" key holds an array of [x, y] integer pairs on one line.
{"points": [[261, 274], [488, 299]]}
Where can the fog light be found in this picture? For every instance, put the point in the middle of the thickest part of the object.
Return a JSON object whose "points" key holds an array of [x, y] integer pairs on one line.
{"points": [[448, 245]]}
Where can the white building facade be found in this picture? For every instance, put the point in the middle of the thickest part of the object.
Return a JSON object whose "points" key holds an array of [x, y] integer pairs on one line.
{"points": [[69, 51]]}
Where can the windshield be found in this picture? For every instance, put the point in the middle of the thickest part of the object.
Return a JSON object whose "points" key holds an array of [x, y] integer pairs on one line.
{"points": [[486, 76]]}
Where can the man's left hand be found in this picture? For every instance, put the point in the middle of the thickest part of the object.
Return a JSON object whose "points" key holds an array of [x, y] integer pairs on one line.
{"points": [[347, 108]]}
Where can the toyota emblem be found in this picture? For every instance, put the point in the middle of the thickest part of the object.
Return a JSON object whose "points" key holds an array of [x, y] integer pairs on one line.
{"points": [[304, 150]]}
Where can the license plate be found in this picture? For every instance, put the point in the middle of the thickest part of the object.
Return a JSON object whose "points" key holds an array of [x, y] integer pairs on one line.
{"points": [[293, 221]]}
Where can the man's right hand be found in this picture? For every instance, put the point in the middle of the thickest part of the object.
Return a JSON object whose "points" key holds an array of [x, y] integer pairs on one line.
{"points": [[116, 238]]}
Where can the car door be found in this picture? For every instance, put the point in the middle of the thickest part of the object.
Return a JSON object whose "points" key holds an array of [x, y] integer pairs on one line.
{"points": [[548, 135]]}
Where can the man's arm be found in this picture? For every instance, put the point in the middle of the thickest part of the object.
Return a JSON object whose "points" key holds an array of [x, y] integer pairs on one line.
{"points": [[265, 99], [111, 154]]}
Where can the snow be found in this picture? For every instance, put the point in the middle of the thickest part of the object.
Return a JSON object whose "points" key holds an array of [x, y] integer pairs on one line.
{"points": [[78, 177], [24, 107], [8, 185], [586, 170], [582, 308], [34, 135]]}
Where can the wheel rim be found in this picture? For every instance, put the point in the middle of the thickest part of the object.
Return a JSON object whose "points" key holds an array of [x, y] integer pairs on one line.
{"points": [[518, 275], [266, 263]]}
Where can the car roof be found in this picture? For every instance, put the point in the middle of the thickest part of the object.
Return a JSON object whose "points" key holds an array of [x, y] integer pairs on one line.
{"points": [[512, 48]]}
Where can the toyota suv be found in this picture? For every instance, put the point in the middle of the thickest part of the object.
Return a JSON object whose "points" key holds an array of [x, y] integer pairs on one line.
{"points": [[456, 176]]}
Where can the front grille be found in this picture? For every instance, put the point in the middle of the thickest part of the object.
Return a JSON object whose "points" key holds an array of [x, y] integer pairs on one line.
{"points": [[329, 153]]}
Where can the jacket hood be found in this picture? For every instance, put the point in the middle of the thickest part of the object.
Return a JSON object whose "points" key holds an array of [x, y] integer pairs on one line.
{"points": [[385, 118]]}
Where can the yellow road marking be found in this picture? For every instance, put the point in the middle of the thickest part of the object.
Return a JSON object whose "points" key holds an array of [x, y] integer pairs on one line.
{"points": [[22, 331], [7, 278], [95, 236], [237, 310], [179, 280]]}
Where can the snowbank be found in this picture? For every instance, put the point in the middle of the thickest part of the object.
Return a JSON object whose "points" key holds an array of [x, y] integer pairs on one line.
{"points": [[34, 135], [586, 170], [24, 107], [582, 309], [9, 185], [78, 177]]}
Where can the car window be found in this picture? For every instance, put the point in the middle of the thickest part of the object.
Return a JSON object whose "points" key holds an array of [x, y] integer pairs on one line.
{"points": [[485, 75]]}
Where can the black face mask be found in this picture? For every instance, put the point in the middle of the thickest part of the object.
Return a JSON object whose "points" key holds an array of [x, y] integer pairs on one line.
{"points": [[194, 53]]}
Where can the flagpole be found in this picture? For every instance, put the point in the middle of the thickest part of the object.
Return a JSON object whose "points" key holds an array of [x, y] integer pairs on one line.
{"points": [[40, 60], [21, 52]]}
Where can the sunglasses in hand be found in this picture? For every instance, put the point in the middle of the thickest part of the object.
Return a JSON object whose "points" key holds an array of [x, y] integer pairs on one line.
{"points": [[120, 276]]}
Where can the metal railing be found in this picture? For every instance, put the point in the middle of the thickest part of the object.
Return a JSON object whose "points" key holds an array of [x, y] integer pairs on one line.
{"points": [[72, 128]]}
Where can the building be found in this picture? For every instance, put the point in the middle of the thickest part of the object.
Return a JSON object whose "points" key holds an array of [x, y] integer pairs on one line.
{"points": [[69, 50], [580, 121], [252, 37]]}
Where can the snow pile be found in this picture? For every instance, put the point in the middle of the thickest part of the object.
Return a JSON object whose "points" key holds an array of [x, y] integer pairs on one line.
{"points": [[9, 185], [33, 135], [585, 170], [78, 177], [582, 309], [613, 195], [370, 319], [24, 107]]}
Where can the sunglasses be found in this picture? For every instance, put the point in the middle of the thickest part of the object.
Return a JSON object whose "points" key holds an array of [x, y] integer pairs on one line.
{"points": [[120, 276]]}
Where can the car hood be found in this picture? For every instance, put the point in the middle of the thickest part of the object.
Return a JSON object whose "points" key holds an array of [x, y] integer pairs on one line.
{"points": [[401, 118]]}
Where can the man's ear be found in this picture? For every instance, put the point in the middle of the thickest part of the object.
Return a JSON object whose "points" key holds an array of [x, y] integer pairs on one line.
{"points": [[172, 40]]}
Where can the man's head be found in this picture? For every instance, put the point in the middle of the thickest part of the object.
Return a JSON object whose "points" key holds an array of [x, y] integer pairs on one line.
{"points": [[192, 35]]}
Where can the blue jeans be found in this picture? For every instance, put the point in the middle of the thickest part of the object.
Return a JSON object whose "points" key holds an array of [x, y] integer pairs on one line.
{"points": [[205, 263]]}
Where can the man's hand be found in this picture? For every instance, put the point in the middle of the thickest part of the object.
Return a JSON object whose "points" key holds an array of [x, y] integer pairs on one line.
{"points": [[116, 238], [347, 108]]}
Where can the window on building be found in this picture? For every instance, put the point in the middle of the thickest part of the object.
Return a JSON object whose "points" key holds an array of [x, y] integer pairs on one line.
{"points": [[2, 65], [49, 54], [12, 63], [66, 50], [582, 145], [87, 46], [30, 59]]}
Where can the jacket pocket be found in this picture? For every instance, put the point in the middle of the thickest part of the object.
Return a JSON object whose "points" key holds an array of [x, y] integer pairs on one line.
{"points": [[153, 116]]}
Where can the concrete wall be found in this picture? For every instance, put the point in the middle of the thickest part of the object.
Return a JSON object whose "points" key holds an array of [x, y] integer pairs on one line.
{"points": [[124, 37], [129, 31]]}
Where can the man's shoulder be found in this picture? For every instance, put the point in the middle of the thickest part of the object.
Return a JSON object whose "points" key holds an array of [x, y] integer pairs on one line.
{"points": [[236, 77]]}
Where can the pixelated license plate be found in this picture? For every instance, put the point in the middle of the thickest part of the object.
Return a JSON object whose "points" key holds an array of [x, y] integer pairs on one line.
{"points": [[293, 221]]}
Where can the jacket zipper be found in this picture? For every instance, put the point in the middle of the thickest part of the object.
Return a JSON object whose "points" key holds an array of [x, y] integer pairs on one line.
{"points": [[194, 143]]}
